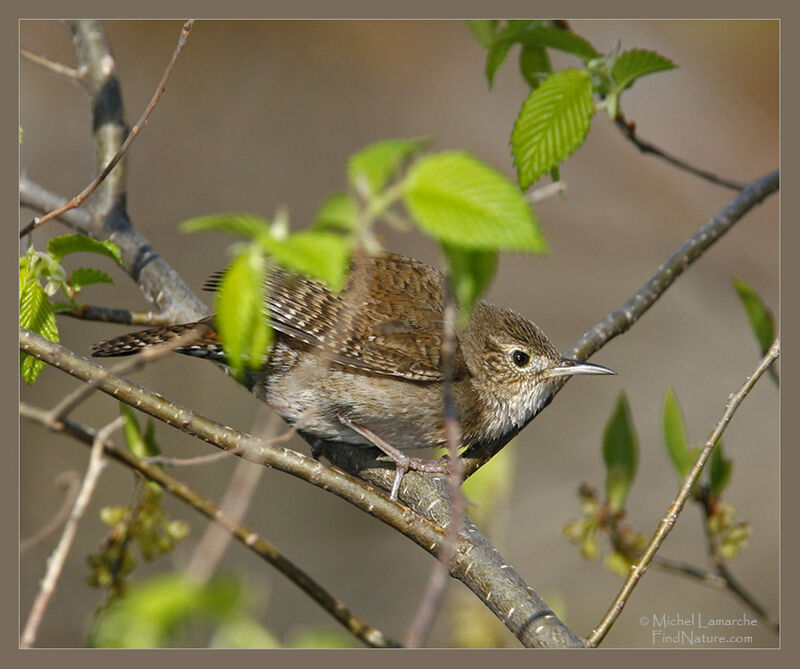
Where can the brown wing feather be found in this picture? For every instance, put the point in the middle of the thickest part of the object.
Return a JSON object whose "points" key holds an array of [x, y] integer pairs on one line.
{"points": [[388, 320]]}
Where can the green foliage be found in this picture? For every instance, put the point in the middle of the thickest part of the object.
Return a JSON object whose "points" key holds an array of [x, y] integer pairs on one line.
{"points": [[675, 435], [552, 123], [142, 445], [144, 525], [534, 64], [720, 470], [461, 201], [555, 118], [470, 273], [241, 311], [58, 247], [41, 275], [636, 63], [620, 454], [370, 169], [153, 614], [339, 211], [242, 225], [490, 487], [760, 317], [315, 253]]}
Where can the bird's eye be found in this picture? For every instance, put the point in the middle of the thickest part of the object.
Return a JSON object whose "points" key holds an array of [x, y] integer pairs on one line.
{"points": [[520, 358]]}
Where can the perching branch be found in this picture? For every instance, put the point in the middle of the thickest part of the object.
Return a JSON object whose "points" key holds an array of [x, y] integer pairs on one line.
{"points": [[671, 516], [476, 562]]}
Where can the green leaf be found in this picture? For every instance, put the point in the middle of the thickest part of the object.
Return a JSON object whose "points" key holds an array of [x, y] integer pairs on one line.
{"points": [[241, 314], [470, 272], [85, 276], [720, 470], [35, 314], [503, 41], [339, 211], [760, 317], [563, 40], [491, 486], [376, 164], [534, 64], [495, 58], [152, 613], [620, 454], [314, 253], [636, 63], [243, 225], [459, 200], [243, 633], [142, 446], [552, 123], [61, 246], [482, 30], [675, 435]]}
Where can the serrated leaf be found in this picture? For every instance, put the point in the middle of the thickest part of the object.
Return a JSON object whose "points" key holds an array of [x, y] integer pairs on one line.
{"points": [[760, 317], [482, 30], [85, 276], [620, 454], [675, 435], [470, 273], [376, 164], [35, 314], [636, 63], [552, 123], [459, 200], [534, 65], [243, 225], [58, 247], [314, 253], [241, 314], [563, 40], [339, 211], [720, 470]]}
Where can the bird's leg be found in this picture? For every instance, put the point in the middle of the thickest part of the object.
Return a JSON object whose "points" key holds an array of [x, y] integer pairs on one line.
{"points": [[403, 462]]}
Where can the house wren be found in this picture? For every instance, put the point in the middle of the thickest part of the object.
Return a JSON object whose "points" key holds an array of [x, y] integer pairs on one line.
{"points": [[364, 367]]}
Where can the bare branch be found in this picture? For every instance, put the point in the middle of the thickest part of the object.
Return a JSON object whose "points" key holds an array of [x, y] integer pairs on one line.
{"points": [[628, 128], [60, 69], [668, 522], [260, 546], [121, 316], [71, 483], [621, 319], [55, 564], [86, 192]]}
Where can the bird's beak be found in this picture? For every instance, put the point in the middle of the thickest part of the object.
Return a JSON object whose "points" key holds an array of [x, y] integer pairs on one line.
{"points": [[569, 367]]}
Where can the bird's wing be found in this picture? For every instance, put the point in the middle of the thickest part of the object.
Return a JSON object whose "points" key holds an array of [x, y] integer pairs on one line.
{"points": [[387, 320]]}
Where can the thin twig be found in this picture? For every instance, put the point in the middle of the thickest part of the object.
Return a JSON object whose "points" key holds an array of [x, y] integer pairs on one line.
{"points": [[260, 546], [55, 564], [58, 68], [433, 596], [120, 316], [667, 523], [86, 192], [71, 483], [629, 130]]}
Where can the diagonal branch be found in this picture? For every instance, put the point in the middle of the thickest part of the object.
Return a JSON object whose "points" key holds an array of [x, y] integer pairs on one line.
{"points": [[622, 319], [671, 516], [264, 549]]}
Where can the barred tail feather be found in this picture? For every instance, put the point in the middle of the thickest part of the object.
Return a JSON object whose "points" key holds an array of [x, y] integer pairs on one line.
{"points": [[207, 346]]}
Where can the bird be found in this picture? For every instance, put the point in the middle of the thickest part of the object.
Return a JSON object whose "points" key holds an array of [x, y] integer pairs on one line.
{"points": [[364, 366]]}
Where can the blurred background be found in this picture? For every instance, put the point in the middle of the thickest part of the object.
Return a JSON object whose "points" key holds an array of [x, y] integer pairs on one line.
{"points": [[259, 115]]}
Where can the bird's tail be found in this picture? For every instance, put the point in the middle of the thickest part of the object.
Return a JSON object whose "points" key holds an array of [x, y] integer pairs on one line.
{"points": [[204, 344]]}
